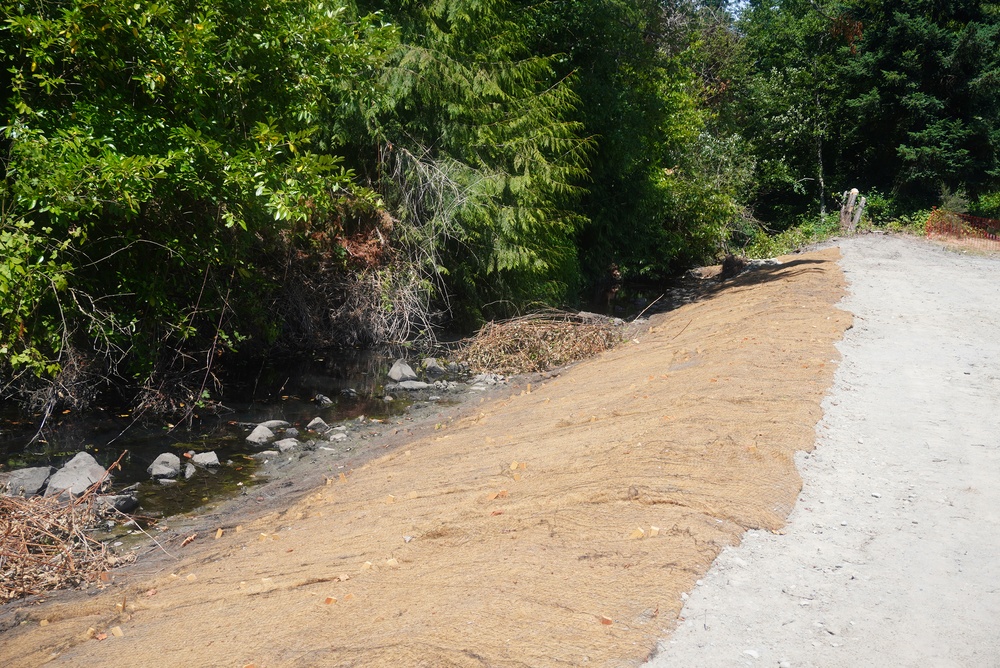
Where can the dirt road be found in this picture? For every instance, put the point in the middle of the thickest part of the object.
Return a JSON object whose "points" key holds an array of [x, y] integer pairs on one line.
{"points": [[892, 555]]}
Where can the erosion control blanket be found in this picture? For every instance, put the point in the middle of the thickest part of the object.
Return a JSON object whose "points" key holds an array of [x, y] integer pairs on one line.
{"points": [[556, 527]]}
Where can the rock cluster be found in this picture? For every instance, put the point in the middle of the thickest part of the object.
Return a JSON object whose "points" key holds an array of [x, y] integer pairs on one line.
{"points": [[72, 480]]}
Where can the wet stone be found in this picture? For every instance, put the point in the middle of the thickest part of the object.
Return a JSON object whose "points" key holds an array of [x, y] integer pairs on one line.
{"points": [[28, 482], [261, 435]]}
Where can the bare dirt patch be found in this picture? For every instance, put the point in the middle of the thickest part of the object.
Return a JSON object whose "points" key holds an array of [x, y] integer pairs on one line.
{"points": [[556, 527]]}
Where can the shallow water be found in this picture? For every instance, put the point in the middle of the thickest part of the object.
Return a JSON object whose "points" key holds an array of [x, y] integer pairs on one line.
{"points": [[280, 389]]}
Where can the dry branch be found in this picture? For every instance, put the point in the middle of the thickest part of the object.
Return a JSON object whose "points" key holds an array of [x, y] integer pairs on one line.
{"points": [[540, 341]]}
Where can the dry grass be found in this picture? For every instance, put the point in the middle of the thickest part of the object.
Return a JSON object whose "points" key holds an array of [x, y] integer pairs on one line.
{"points": [[540, 341], [44, 544]]}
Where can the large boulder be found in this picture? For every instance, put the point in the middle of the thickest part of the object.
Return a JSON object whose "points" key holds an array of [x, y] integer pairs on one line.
{"points": [[261, 435], [123, 503], [401, 371], [318, 424], [206, 459], [433, 368], [286, 444], [28, 482], [76, 476], [413, 385], [167, 465]]}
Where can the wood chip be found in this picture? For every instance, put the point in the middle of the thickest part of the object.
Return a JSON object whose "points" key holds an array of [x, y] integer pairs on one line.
{"points": [[218, 534], [349, 597], [513, 466], [43, 622], [329, 600], [343, 478], [117, 632], [392, 563], [654, 531], [191, 577], [637, 534], [606, 620]]}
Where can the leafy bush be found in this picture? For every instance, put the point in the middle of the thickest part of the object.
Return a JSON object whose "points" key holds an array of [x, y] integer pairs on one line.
{"points": [[153, 154]]}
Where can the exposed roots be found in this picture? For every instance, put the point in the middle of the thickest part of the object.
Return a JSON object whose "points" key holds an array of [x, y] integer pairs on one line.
{"points": [[540, 341]]}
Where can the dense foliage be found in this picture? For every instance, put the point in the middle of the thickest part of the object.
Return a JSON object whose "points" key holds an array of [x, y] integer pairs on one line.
{"points": [[182, 180]]}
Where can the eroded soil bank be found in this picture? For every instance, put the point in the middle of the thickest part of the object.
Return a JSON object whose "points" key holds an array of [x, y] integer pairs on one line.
{"points": [[558, 526]]}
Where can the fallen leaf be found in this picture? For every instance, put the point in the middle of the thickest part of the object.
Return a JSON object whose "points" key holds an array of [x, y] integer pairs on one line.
{"points": [[329, 600], [343, 478], [105, 577], [517, 477], [151, 592], [497, 512], [101, 636], [349, 597], [502, 494], [522, 465]]}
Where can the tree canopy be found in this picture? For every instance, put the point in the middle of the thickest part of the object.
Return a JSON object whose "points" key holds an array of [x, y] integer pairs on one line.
{"points": [[184, 180]]}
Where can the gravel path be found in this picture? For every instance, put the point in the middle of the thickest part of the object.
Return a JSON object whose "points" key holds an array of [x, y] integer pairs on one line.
{"points": [[892, 555]]}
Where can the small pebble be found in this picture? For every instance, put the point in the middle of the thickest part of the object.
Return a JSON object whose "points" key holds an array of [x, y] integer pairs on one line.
{"points": [[876, 495], [752, 653]]}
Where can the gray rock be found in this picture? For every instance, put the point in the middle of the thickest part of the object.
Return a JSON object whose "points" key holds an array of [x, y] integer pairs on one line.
{"points": [[28, 482], [323, 400], [167, 465], [318, 424], [388, 398], [413, 385], [286, 444], [291, 432], [401, 371], [264, 454], [433, 369], [453, 367], [123, 503], [274, 424], [206, 459], [349, 392], [338, 436], [261, 435], [189, 471], [75, 476]]}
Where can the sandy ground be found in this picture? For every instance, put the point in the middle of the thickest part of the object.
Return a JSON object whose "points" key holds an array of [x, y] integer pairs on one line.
{"points": [[555, 527], [892, 555]]}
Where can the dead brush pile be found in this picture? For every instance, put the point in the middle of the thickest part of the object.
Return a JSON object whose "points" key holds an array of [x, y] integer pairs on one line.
{"points": [[540, 341], [44, 545]]}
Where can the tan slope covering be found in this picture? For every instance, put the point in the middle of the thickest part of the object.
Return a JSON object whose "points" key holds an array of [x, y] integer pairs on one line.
{"points": [[638, 467]]}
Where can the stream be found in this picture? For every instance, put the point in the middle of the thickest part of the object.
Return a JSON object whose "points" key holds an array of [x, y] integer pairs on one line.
{"points": [[280, 389]]}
